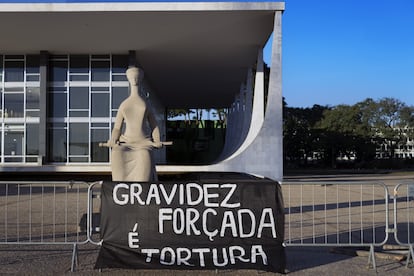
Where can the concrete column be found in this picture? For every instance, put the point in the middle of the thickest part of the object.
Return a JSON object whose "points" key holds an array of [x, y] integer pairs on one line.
{"points": [[249, 99], [254, 121], [273, 123], [258, 104], [261, 154], [43, 106]]}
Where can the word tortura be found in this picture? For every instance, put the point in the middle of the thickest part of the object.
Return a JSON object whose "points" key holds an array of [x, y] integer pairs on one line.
{"points": [[220, 257]]}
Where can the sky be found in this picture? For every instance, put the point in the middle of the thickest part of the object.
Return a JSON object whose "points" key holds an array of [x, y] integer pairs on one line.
{"points": [[340, 51]]}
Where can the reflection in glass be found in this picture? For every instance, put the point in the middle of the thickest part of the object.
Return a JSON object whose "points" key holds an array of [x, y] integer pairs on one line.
{"points": [[32, 97], [78, 138], [33, 77], [57, 145], [58, 71], [14, 71], [100, 105], [100, 70], [14, 105], [58, 105], [79, 78], [121, 77], [79, 97], [32, 64], [78, 159], [99, 154], [13, 140], [118, 95], [78, 113], [32, 139]]}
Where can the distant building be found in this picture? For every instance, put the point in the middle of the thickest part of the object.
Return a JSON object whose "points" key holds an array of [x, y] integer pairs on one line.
{"points": [[401, 151]]}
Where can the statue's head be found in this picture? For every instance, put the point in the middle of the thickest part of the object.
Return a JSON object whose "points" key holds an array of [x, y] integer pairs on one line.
{"points": [[134, 75]]}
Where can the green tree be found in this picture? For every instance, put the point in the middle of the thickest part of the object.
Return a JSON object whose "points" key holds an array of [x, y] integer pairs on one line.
{"points": [[301, 138], [391, 120], [346, 133]]}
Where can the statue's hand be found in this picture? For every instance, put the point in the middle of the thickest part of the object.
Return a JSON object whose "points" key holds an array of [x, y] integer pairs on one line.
{"points": [[157, 144]]}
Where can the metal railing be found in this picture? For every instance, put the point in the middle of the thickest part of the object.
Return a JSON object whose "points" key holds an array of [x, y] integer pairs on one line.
{"points": [[404, 217], [44, 213], [94, 203], [351, 214]]}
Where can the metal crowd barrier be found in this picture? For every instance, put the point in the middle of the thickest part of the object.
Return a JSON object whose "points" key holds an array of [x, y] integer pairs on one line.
{"points": [[44, 213], [404, 217], [351, 214], [93, 222]]}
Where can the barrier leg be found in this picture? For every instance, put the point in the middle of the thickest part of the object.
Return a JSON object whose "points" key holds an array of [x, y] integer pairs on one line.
{"points": [[75, 259], [410, 256], [371, 258]]}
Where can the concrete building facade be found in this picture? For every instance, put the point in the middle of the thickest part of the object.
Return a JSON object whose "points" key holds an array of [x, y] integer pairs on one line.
{"points": [[62, 78]]}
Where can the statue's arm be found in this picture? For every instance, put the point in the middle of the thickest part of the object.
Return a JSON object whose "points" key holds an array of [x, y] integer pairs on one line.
{"points": [[155, 130], [116, 131]]}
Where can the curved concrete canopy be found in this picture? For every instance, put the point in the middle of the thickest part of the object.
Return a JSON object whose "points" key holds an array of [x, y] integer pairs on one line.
{"points": [[194, 54]]}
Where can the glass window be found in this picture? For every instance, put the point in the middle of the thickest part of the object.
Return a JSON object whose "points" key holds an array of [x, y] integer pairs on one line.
{"points": [[99, 154], [13, 140], [100, 70], [118, 95], [58, 71], [14, 89], [32, 64], [14, 71], [79, 113], [57, 145], [79, 78], [120, 77], [32, 139], [78, 159], [100, 105], [100, 88], [14, 105], [79, 64], [33, 77], [79, 97], [32, 97], [100, 125], [58, 105], [78, 139]]}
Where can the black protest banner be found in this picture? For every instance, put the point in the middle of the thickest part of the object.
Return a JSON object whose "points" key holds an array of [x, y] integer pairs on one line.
{"points": [[192, 226]]}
